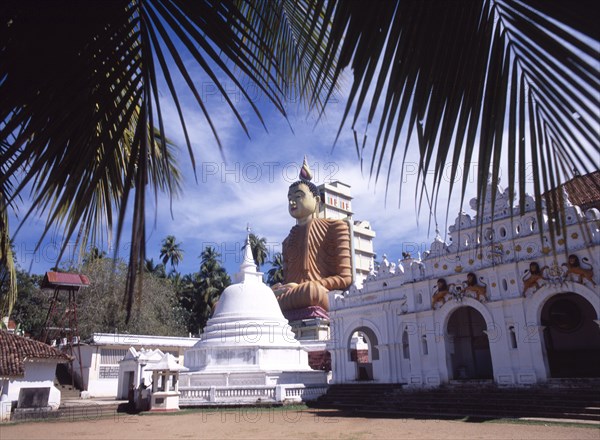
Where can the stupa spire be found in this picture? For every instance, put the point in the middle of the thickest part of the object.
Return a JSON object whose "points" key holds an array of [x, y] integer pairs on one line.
{"points": [[248, 266]]}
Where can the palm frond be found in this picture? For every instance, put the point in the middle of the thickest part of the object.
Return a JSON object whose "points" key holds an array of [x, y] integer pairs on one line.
{"points": [[79, 93], [476, 78]]}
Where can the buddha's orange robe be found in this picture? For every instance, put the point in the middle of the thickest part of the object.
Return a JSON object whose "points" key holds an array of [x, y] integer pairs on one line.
{"points": [[317, 257]]}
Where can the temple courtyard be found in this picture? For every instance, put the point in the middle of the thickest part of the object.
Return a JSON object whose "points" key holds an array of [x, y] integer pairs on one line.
{"points": [[288, 423]]}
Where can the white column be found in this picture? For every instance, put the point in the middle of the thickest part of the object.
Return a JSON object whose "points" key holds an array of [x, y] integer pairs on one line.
{"points": [[498, 339]]}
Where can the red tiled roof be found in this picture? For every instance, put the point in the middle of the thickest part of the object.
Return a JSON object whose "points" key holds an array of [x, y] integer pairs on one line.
{"points": [[55, 279], [583, 191], [15, 350]]}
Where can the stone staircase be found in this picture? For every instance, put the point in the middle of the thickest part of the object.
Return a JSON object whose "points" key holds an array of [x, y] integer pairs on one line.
{"points": [[64, 382], [559, 399]]}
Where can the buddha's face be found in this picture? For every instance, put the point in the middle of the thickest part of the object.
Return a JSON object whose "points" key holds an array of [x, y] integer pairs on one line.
{"points": [[301, 202]]}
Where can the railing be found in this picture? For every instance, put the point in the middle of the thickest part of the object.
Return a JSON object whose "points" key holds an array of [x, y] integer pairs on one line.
{"points": [[190, 396], [268, 393], [305, 393], [194, 394]]}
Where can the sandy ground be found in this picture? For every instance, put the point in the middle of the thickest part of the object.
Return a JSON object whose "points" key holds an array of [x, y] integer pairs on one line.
{"points": [[286, 424]]}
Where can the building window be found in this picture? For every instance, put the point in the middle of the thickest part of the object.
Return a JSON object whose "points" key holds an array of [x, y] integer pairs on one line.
{"points": [[419, 298], [111, 356], [513, 337], [424, 346], [109, 362], [502, 232], [532, 225], [405, 346], [504, 285]]}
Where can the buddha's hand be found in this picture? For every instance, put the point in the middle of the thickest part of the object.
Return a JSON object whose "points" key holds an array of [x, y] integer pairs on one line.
{"points": [[280, 289]]}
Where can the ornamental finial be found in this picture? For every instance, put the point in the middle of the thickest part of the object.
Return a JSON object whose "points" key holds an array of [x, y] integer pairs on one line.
{"points": [[305, 173]]}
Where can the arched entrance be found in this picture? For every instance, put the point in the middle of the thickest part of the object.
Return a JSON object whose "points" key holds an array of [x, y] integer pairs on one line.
{"points": [[468, 346], [571, 337], [363, 351]]}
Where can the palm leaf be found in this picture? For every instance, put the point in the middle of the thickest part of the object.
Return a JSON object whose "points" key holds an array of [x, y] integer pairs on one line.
{"points": [[459, 66], [80, 80], [79, 96]]}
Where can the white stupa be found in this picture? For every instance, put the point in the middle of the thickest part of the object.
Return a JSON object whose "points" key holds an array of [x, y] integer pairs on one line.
{"points": [[248, 351]]}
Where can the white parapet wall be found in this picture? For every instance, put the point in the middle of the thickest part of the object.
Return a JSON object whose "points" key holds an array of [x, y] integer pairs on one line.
{"points": [[249, 395]]}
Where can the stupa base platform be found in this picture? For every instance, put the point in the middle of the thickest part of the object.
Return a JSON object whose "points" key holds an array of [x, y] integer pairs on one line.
{"points": [[250, 388]]}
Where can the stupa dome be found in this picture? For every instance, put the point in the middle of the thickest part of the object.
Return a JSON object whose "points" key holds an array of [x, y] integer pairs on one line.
{"points": [[248, 330], [248, 310]]}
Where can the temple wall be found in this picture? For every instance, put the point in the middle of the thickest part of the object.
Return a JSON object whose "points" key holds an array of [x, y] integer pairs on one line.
{"points": [[515, 338]]}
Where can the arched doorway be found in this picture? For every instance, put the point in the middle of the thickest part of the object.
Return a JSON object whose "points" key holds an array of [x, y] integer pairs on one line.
{"points": [[571, 337], [468, 346], [363, 351]]}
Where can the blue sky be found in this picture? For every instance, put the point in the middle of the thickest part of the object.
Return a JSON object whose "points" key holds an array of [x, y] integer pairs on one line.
{"points": [[247, 184]]}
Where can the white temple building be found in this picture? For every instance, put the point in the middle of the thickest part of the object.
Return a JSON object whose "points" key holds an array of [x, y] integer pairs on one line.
{"points": [[495, 304], [248, 353]]}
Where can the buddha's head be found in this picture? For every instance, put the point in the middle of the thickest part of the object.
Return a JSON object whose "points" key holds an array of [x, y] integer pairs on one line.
{"points": [[303, 200]]}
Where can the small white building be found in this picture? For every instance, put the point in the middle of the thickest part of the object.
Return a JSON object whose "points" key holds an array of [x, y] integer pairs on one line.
{"points": [[103, 352], [165, 383], [133, 371], [495, 303], [27, 371]]}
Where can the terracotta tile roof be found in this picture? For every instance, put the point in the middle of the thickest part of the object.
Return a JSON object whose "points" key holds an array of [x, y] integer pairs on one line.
{"points": [[54, 279], [15, 350], [583, 191]]}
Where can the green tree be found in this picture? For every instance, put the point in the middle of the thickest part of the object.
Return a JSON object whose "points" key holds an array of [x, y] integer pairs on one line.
{"points": [[93, 254], [99, 305], [171, 252], [258, 245], [81, 84], [157, 270], [202, 290], [32, 305], [275, 274]]}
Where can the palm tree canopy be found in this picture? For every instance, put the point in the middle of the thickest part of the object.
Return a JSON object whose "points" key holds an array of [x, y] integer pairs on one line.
{"points": [[258, 245], [470, 80], [275, 274], [155, 269], [81, 121], [171, 251]]}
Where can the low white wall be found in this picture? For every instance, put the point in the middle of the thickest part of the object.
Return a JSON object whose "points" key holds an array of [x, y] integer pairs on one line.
{"points": [[103, 388]]}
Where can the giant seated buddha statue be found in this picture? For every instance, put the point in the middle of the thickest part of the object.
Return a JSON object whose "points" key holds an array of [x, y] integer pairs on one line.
{"points": [[316, 253]]}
